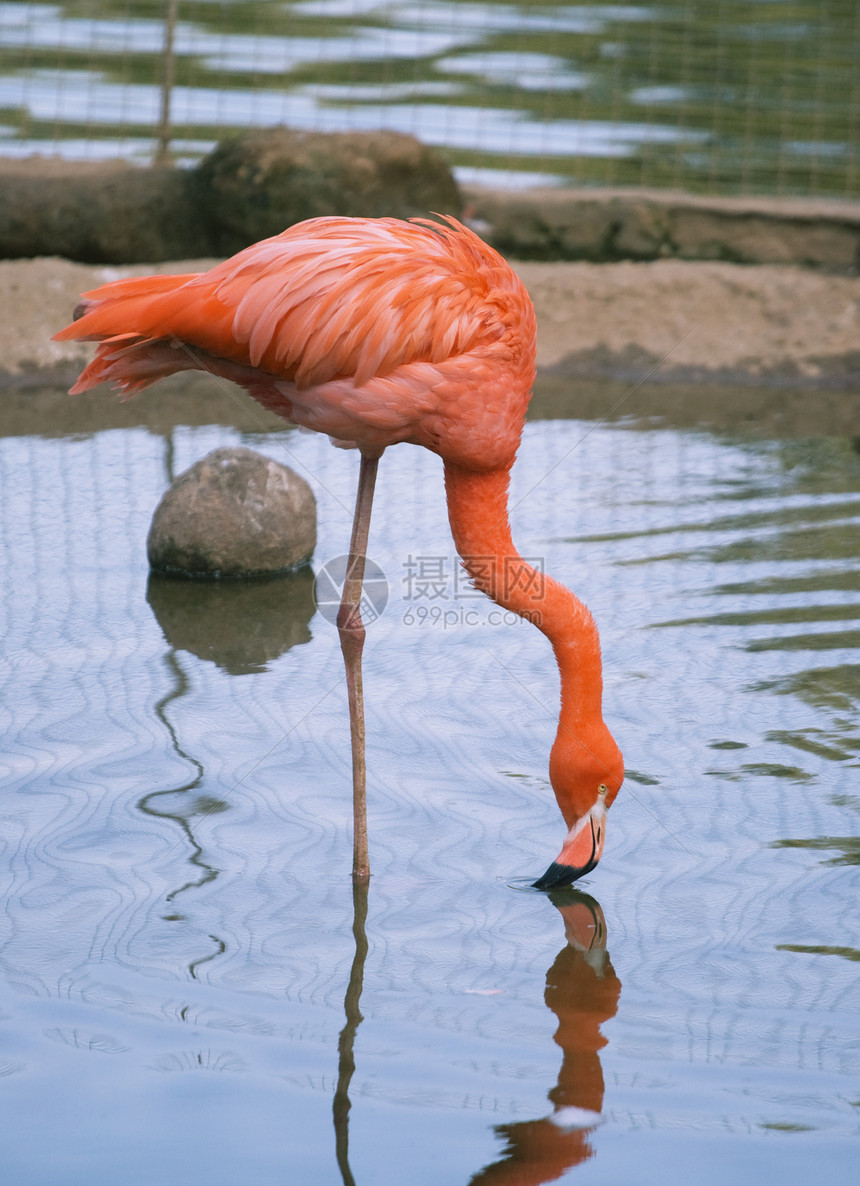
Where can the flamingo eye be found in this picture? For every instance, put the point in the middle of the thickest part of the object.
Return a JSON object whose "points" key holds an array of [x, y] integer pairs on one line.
{"points": [[603, 789]]}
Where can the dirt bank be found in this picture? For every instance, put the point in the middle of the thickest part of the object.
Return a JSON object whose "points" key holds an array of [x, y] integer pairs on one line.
{"points": [[667, 319], [697, 321]]}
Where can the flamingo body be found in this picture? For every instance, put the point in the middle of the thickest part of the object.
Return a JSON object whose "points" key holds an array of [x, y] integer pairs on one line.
{"points": [[374, 331], [377, 332]]}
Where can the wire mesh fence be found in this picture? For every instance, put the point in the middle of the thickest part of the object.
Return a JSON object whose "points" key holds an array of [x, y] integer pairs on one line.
{"points": [[727, 97]]}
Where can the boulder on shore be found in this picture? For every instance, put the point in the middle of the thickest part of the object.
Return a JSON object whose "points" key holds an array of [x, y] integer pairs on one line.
{"points": [[255, 185], [249, 187]]}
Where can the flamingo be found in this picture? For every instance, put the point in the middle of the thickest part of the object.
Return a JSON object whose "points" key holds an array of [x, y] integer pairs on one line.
{"points": [[376, 332]]}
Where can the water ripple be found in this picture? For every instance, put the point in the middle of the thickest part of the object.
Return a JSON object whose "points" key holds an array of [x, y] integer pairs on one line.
{"points": [[175, 831]]}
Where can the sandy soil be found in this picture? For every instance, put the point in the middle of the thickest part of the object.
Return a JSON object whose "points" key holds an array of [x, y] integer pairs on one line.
{"points": [[703, 320], [665, 319]]}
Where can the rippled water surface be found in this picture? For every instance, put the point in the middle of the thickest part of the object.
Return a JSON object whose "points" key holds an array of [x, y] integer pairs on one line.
{"points": [[189, 991], [729, 97]]}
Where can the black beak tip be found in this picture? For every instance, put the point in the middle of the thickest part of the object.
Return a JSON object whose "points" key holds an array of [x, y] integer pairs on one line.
{"points": [[557, 876]]}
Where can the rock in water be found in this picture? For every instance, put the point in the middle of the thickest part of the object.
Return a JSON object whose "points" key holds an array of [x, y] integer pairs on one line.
{"points": [[233, 514]]}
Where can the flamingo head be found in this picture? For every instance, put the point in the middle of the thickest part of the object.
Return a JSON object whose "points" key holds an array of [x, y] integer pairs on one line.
{"points": [[586, 771]]}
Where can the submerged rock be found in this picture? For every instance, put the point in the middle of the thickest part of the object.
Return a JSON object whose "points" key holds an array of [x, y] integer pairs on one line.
{"points": [[233, 514]]}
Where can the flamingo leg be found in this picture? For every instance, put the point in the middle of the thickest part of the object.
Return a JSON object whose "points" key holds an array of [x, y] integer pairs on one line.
{"points": [[351, 629]]}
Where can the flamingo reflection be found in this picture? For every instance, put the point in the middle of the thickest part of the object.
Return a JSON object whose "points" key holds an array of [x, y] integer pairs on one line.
{"points": [[582, 990], [346, 1043]]}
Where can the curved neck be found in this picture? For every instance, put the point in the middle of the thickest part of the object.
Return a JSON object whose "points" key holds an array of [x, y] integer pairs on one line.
{"points": [[478, 514]]}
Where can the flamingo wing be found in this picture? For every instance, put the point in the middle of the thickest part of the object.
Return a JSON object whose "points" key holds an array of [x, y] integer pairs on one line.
{"points": [[330, 298]]}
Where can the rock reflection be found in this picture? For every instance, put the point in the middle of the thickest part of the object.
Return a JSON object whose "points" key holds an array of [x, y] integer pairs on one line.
{"points": [[582, 990], [241, 626]]}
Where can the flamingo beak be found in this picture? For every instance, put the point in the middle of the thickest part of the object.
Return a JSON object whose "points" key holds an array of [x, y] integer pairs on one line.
{"points": [[581, 850]]}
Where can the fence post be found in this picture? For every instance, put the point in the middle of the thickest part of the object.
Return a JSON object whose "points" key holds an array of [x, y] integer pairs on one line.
{"points": [[162, 152]]}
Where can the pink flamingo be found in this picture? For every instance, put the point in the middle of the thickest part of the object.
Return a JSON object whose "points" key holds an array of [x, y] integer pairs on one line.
{"points": [[378, 331]]}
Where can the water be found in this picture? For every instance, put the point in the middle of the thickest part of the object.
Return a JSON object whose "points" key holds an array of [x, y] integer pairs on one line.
{"points": [[727, 98], [189, 991]]}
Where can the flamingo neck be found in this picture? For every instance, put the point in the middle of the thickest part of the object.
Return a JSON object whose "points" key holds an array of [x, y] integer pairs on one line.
{"points": [[478, 514]]}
